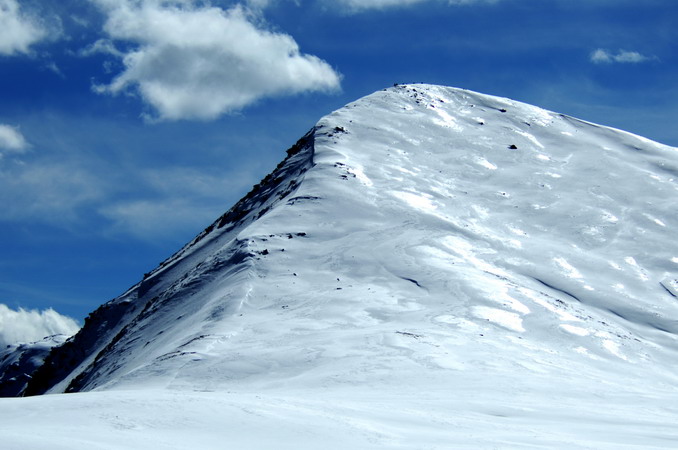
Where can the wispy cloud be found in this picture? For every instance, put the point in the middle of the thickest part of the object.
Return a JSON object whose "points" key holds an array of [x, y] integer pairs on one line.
{"points": [[195, 61], [602, 56], [362, 5], [22, 326], [66, 184], [11, 139], [18, 31], [49, 191], [175, 199]]}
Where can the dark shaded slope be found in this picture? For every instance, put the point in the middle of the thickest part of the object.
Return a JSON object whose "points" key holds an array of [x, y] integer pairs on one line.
{"points": [[107, 327]]}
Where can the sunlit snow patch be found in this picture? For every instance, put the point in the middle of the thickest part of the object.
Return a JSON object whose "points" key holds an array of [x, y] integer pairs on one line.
{"points": [[579, 331], [419, 201], [562, 315], [531, 138], [655, 220], [540, 116], [360, 175], [671, 285], [613, 347], [639, 270], [445, 120], [570, 270], [506, 319], [485, 163], [465, 250], [609, 217]]}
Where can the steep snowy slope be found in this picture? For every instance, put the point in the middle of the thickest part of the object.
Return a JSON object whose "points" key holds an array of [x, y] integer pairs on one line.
{"points": [[432, 249]]}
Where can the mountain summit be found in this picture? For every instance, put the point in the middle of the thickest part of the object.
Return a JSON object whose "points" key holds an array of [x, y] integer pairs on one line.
{"points": [[426, 243]]}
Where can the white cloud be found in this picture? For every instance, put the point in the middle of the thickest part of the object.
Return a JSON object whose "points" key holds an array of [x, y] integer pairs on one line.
{"points": [[361, 5], [30, 326], [48, 190], [193, 61], [176, 199], [152, 220], [11, 139], [602, 56], [18, 31], [69, 189]]}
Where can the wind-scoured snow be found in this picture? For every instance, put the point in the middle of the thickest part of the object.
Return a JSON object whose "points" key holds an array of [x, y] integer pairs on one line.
{"points": [[428, 268]]}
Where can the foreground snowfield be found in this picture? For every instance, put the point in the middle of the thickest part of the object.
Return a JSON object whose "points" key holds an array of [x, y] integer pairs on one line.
{"points": [[430, 268], [428, 417]]}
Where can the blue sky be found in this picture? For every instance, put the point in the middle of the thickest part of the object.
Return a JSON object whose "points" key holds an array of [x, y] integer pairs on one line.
{"points": [[127, 126]]}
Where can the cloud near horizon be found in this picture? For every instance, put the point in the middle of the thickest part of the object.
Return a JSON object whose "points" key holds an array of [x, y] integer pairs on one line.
{"points": [[18, 31], [602, 56], [200, 62], [11, 139], [22, 326]]}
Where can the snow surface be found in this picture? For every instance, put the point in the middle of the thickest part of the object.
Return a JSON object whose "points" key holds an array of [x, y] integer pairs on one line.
{"points": [[429, 268]]}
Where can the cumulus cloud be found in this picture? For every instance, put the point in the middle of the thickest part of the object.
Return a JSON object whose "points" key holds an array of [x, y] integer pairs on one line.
{"points": [[11, 139], [195, 61], [23, 326], [18, 31], [602, 56]]}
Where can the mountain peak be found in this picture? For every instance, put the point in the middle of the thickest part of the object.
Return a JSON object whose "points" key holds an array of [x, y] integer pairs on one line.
{"points": [[421, 232]]}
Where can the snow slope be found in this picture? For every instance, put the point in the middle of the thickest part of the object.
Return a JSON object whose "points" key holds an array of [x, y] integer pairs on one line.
{"points": [[19, 361], [428, 268]]}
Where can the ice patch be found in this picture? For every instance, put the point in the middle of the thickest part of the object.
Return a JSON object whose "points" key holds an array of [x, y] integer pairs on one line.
{"points": [[503, 318], [566, 133], [543, 157]]}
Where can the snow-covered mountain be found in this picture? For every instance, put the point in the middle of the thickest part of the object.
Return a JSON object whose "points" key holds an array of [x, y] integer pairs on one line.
{"points": [[19, 361], [458, 261]]}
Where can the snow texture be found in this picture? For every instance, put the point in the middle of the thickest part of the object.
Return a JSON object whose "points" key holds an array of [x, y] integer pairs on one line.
{"points": [[428, 268]]}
